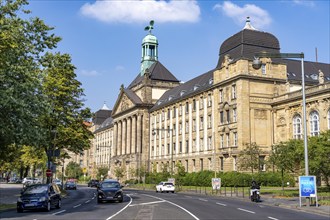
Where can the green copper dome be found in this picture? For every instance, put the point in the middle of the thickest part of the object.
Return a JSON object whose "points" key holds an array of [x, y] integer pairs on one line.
{"points": [[150, 39]]}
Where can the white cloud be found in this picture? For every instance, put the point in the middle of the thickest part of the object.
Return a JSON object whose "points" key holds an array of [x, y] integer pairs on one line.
{"points": [[119, 68], [139, 11], [258, 16], [89, 73]]}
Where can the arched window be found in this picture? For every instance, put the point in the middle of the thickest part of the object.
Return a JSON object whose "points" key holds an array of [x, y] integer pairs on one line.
{"points": [[315, 123], [297, 127]]}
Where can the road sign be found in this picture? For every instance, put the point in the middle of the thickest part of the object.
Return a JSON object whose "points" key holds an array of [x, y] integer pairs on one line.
{"points": [[48, 173], [307, 187]]}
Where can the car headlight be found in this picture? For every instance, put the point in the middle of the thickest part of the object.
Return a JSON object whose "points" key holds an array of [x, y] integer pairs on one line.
{"points": [[42, 199], [19, 199]]}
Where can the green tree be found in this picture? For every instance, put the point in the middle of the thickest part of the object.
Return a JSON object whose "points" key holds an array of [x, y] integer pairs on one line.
{"points": [[249, 157], [286, 156], [119, 172], [102, 172], [22, 44], [319, 156], [73, 170]]}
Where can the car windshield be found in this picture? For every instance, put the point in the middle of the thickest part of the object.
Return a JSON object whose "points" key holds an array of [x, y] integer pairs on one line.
{"points": [[110, 185], [70, 183], [35, 189]]}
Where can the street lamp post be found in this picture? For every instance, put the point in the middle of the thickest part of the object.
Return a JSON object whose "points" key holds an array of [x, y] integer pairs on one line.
{"points": [[257, 64], [171, 134]]}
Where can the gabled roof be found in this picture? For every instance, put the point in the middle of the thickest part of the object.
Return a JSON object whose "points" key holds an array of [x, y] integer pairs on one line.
{"points": [[193, 86], [157, 72], [133, 97]]}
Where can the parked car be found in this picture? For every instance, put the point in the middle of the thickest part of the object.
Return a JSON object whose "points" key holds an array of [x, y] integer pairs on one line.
{"points": [[70, 185], [27, 179], [93, 183], [58, 182], [39, 196], [165, 187], [110, 190]]}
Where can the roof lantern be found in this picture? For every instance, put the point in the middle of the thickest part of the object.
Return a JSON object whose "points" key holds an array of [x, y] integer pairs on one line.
{"points": [[149, 49], [248, 25], [105, 107]]}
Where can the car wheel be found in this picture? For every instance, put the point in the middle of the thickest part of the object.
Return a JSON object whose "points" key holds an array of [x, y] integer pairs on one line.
{"points": [[121, 199], [99, 201], [48, 206], [20, 210], [59, 204], [172, 191]]}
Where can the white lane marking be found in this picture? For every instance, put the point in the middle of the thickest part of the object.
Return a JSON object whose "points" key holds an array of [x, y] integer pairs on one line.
{"points": [[244, 210], [147, 203], [174, 205], [202, 200], [87, 201], [122, 208], [58, 212], [221, 204], [188, 196], [272, 218], [76, 206]]}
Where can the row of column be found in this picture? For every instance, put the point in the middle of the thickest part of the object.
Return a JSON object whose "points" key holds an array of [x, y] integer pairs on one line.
{"points": [[128, 135]]}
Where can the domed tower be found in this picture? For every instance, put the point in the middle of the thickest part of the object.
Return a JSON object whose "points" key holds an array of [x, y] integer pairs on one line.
{"points": [[246, 43], [149, 49]]}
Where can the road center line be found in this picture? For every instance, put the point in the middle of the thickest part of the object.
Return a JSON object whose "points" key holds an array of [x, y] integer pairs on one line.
{"points": [[195, 217], [202, 200], [58, 212], [244, 210], [221, 204], [76, 206], [87, 201], [272, 218], [122, 208]]}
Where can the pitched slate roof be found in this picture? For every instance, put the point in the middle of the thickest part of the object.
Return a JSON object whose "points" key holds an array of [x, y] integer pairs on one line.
{"points": [[105, 125], [311, 71], [246, 43], [100, 116], [157, 72], [193, 86], [132, 96]]}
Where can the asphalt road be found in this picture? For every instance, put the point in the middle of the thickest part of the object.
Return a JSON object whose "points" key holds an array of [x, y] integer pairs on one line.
{"points": [[81, 204]]}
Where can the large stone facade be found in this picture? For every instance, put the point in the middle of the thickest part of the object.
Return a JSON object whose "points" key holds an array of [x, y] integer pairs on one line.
{"points": [[204, 123]]}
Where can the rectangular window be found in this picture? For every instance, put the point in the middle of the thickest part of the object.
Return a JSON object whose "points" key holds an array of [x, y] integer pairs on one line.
{"points": [[209, 121], [263, 69], [221, 141], [180, 128], [194, 125], [201, 144], [235, 139], [194, 165], [221, 117], [187, 126], [227, 116], [221, 163], [233, 91], [201, 103], [201, 164], [234, 115], [174, 129], [209, 100], [187, 146], [168, 149], [187, 107], [209, 143], [220, 95], [168, 113], [194, 145], [180, 110], [174, 112], [163, 115], [194, 105], [227, 140], [201, 123], [180, 147], [168, 131], [234, 163]]}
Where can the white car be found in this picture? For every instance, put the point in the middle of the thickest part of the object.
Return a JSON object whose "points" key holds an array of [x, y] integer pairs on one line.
{"points": [[165, 187]]}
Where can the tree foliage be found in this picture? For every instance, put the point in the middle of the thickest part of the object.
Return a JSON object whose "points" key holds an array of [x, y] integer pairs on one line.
{"points": [[102, 172], [249, 157], [73, 170]]}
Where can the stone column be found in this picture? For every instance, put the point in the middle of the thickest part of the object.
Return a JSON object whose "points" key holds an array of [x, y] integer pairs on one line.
{"points": [[115, 144], [119, 138], [133, 147], [124, 133], [129, 136], [139, 133]]}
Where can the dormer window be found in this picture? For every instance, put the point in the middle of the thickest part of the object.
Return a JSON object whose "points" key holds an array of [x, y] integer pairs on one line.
{"points": [[211, 81], [314, 76], [182, 92], [196, 87], [170, 98]]}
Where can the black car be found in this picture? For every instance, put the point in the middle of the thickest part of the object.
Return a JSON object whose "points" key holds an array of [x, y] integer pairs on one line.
{"points": [[93, 183], [70, 185], [39, 196], [110, 190]]}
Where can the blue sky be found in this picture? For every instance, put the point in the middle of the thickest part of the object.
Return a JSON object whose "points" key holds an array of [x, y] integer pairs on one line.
{"points": [[104, 37]]}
